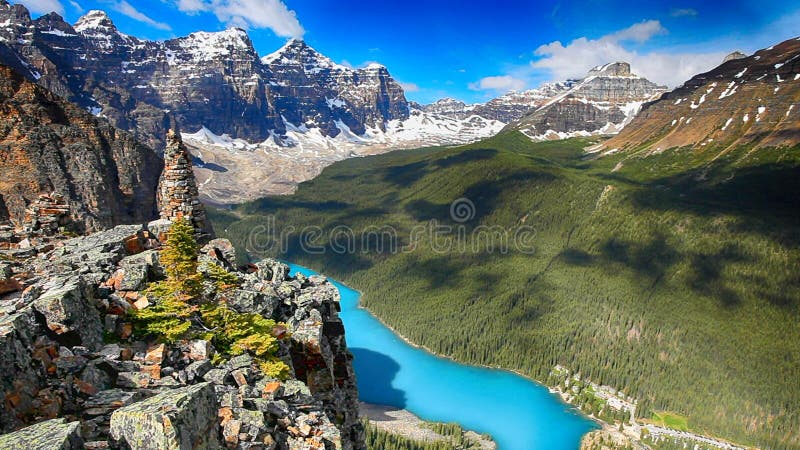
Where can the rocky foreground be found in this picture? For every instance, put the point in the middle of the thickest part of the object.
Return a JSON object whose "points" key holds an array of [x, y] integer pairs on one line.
{"points": [[78, 373]]}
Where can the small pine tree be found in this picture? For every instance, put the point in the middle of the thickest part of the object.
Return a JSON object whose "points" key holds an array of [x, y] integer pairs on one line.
{"points": [[179, 258]]}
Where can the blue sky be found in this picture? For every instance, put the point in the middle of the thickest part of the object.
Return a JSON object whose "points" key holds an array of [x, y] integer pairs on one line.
{"points": [[474, 51]]}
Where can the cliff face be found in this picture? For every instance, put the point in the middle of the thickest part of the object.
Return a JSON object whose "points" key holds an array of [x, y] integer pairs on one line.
{"points": [[313, 91], [213, 80], [604, 102], [49, 145], [745, 101]]}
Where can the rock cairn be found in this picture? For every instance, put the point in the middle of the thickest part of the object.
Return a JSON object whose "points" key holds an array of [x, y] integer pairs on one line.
{"points": [[45, 221], [178, 196], [47, 214]]}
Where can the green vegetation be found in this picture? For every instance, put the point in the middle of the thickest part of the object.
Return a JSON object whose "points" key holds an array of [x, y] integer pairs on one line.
{"points": [[670, 420], [378, 439], [673, 277], [178, 305]]}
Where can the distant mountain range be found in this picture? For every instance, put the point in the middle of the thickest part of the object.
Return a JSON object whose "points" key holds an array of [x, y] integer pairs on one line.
{"points": [[296, 111]]}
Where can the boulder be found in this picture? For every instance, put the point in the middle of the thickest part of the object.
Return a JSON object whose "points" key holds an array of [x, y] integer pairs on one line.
{"points": [[159, 228], [180, 419], [139, 269], [7, 283], [55, 434], [22, 375], [221, 250], [70, 314]]}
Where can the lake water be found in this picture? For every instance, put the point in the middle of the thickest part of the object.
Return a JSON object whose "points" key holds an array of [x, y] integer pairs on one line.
{"points": [[518, 413]]}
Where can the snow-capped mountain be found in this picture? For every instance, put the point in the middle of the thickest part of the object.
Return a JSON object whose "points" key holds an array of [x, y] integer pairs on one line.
{"points": [[234, 170], [214, 80], [745, 101], [506, 108], [602, 103]]}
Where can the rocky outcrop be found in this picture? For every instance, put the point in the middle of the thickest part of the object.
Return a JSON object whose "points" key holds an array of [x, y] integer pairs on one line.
{"points": [[216, 80], [55, 434], [182, 418], [178, 197], [602, 103], [735, 55], [135, 392], [90, 173], [749, 100]]}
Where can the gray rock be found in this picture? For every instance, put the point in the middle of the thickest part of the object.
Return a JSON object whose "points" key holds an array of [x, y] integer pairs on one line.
{"points": [[159, 228], [70, 314], [237, 362], [183, 418], [18, 333], [197, 369], [216, 376], [55, 434], [139, 269]]}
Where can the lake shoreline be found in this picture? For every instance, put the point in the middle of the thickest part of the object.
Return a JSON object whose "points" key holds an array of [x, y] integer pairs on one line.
{"points": [[485, 398]]}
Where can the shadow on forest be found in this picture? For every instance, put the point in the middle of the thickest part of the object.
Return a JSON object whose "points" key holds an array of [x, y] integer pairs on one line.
{"points": [[484, 195], [407, 174], [765, 197], [466, 156], [267, 204]]}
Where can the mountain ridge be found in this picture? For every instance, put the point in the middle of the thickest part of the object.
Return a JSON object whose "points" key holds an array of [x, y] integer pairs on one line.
{"points": [[746, 100]]}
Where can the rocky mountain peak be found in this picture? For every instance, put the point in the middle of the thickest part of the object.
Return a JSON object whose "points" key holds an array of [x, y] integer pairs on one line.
{"points": [[95, 20], [296, 52], [210, 46], [616, 69], [735, 55]]}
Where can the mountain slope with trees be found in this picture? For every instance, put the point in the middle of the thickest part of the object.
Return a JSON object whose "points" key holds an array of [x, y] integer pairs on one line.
{"points": [[672, 277]]}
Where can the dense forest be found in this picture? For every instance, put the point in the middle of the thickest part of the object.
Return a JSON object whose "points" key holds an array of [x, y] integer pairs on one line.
{"points": [[674, 277]]}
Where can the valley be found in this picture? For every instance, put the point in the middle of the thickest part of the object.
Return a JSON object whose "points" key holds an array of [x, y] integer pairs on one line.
{"points": [[633, 273]]}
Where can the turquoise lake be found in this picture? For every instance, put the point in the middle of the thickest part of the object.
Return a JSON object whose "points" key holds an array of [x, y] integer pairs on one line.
{"points": [[518, 413]]}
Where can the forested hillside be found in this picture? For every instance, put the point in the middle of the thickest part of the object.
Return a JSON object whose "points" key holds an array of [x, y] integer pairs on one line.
{"points": [[674, 277]]}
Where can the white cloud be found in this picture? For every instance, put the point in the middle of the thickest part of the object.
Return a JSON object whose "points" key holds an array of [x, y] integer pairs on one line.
{"points": [[76, 6], [638, 32], [409, 87], [684, 12], [580, 55], [502, 83], [123, 7], [271, 14], [43, 6]]}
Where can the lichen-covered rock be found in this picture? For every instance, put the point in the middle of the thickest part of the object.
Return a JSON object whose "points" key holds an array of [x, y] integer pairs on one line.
{"points": [[179, 419], [139, 269], [22, 376], [69, 313], [55, 434]]}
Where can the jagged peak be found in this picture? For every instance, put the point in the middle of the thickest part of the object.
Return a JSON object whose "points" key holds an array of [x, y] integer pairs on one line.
{"points": [[615, 69], [235, 37], [94, 20], [297, 52], [447, 101]]}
